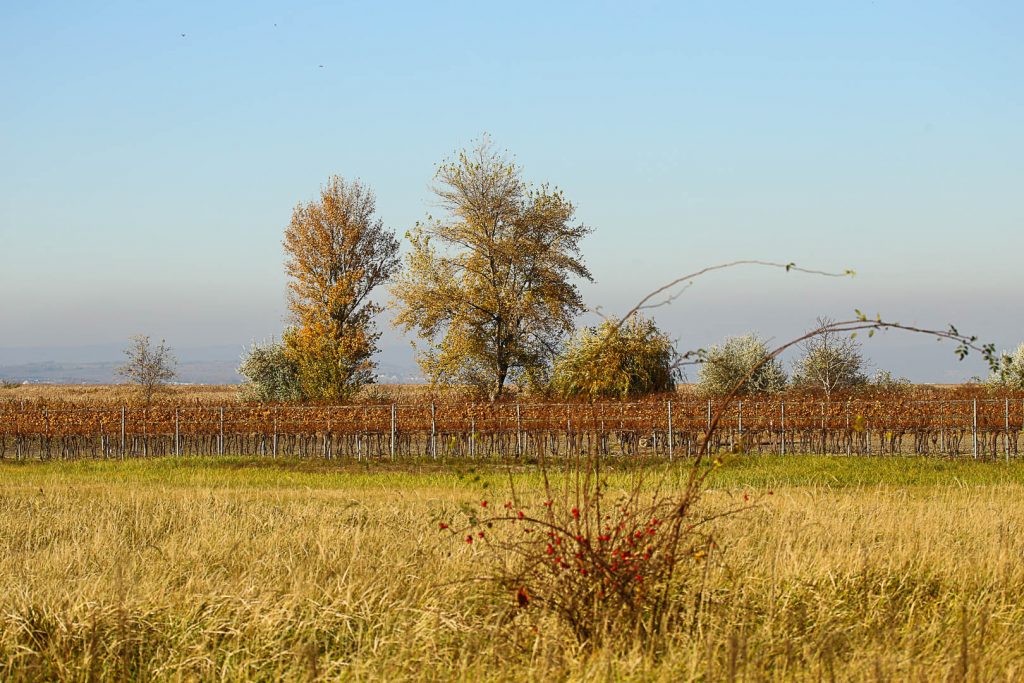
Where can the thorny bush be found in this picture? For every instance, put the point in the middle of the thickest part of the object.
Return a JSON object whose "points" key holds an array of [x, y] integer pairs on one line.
{"points": [[611, 567], [606, 562]]}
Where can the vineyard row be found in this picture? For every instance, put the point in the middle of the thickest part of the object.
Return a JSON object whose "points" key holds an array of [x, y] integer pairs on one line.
{"points": [[980, 428]]}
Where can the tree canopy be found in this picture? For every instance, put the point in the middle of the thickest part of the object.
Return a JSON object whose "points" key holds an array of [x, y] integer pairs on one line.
{"points": [[148, 366], [830, 361], [729, 364], [337, 253], [1010, 372], [617, 359], [489, 289]]}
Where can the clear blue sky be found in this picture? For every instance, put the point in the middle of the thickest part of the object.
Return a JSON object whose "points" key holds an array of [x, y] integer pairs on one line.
{"points": [[146, 176]]}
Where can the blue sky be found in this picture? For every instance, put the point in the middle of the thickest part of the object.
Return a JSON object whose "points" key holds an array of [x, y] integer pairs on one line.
{"points": [[147, 176]]}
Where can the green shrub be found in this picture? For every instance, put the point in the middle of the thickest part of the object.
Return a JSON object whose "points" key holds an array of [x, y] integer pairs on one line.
{"points": [[1010, 373], [270, 376], [617, 359], [725, 366]]}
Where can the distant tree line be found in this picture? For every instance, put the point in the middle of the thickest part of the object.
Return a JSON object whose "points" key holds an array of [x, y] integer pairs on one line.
{"points": [[828, 362], [490, 291]]}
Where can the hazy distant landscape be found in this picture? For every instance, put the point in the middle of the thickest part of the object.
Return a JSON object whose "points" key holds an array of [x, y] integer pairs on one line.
{"points": [[531, 341], [199, 365]]}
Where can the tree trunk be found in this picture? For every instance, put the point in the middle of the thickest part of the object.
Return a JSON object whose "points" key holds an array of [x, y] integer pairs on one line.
{"points": [[499, 383]]}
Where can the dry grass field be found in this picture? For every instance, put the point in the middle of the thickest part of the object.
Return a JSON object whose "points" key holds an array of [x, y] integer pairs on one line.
{"points": [[226, 394], [118, 393], [229, 569], [213, 394]]}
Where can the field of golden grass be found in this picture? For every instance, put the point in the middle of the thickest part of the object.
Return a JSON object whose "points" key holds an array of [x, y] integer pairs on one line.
{"points": [[117, 393], [231, 569], [226, 394], [213, 394]]}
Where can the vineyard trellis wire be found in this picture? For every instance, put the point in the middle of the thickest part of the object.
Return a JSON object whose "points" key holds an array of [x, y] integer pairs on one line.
{"points": [[984, 428]]}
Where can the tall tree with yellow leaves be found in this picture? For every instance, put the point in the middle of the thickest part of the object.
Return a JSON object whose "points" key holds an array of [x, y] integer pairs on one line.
{"points": [[489, 289], [337, 253]]}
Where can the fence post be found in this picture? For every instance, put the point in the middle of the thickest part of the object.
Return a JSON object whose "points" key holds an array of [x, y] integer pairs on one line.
{"points": [[783, 427], [1006, 434], [177, 448], [220, 441], [122, 432], [824, 438], [359, 438], [974, 427], [568, 436], [327, 438], [433, 433], [671, 440], [942, 427], [394, 417], [849, 434], [519, 432]]}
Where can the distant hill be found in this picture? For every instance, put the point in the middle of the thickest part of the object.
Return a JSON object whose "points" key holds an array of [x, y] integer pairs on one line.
{"points": [[53, 372], [97, 365]]}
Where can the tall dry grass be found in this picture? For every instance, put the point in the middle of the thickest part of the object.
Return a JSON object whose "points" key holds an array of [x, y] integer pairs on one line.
{"points": [[212, 394], [85, 394], [217, 574]]}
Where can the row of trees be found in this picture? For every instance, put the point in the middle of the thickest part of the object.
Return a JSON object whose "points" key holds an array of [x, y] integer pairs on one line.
{"points": [[489, 289], [828, 362], [614, 360], [490, 292]]}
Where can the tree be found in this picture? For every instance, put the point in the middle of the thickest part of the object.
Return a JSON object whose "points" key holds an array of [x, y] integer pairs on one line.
{"points": [[727, 365], [337, 253], [831, 361], [1010, 373], [148, 366], [271, 376], [616, 360], [488, 290]]}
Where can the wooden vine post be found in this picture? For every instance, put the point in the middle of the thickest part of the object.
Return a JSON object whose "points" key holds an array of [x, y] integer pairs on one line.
{"points": [[394, 418], [670, 439]]}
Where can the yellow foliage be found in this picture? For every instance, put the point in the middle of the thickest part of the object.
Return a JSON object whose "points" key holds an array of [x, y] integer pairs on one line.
{"points": [[338, 252], [618, 359], [488, 291]]}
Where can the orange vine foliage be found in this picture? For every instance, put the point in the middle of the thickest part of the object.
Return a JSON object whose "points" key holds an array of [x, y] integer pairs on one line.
{"points": [[896, 412]]}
